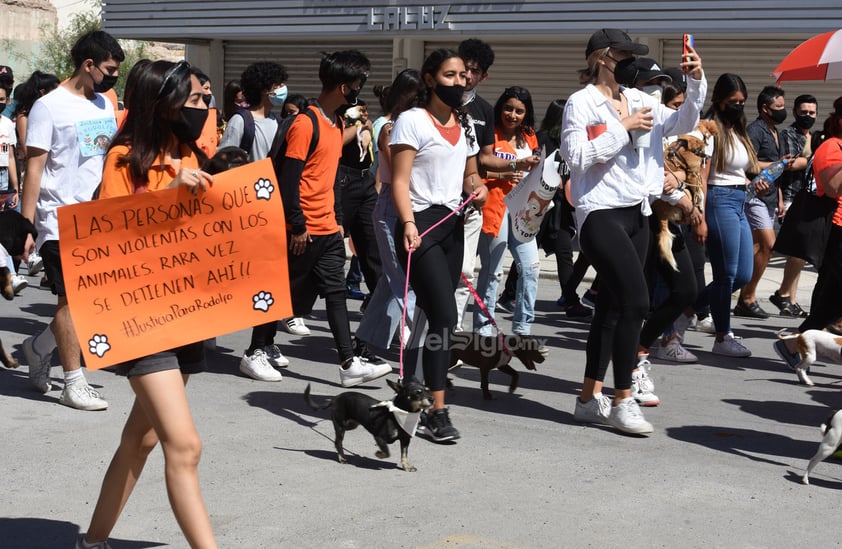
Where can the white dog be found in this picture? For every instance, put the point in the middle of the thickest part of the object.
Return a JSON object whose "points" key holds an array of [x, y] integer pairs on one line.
{"points": [[832, 437], [813, 344]]}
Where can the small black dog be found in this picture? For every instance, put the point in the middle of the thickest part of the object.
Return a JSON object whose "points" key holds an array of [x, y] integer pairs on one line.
{"points": [[486, 353], [351, 409]]}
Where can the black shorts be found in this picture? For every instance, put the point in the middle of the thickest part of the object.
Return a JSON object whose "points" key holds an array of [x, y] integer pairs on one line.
{"points": [[318, 271], [52, 266], [190, 359]]}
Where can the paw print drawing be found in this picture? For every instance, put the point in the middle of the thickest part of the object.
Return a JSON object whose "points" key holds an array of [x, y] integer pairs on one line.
{"points": [[264, 188], [98, 345], [262, 301]]}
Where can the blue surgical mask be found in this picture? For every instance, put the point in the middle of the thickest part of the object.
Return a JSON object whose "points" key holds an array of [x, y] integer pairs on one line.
{"points": [[279, 96]]}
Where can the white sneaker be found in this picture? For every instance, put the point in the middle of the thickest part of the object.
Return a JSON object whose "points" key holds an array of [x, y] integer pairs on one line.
{"points": [[35, 264], [257, 367], [295, 325], [595, 410], [82, 544], [359, 372], [705, 325], [675, 352], [275, 357], [19, 282], [627, 417], [82, 396], [39, 366], [643, 388], [681, 324], [729, 346]]}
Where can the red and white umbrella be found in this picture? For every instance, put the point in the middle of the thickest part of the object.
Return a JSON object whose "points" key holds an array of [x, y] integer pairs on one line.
{"points": [[819, 58]]}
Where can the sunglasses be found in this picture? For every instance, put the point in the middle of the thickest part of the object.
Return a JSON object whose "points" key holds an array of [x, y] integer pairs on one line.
{"points": [[517, 93], [182, 65]]}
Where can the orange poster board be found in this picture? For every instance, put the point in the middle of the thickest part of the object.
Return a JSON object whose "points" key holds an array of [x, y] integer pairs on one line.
{"points": [[156, 270]]}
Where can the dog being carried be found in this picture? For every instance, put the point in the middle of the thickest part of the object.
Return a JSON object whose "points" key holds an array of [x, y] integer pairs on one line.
{"points": [[685, 154]]}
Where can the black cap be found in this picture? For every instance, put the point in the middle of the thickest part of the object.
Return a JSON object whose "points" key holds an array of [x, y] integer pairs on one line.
{"points": [[614, 38], [648, 69], [678, 77]]}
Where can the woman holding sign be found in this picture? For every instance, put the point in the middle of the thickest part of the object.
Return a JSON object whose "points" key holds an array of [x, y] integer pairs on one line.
{"points": [[514, 138], [147, 157], [611, 140]]}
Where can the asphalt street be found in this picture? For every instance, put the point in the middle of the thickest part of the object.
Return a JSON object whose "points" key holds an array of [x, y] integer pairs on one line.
{"points": [[722, 468]]}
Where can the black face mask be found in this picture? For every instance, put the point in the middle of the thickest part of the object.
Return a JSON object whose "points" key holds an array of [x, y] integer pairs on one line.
{"points": [[189, 126], [351, 96], [450, 95], [777, 116], [105, 84], [804, 122], [207, 98], [624, 73], [732, 113]]}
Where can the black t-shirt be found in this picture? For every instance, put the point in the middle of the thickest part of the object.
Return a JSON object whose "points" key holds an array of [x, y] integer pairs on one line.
{"points": [[360, 146], [482, 115], [767, 151]]}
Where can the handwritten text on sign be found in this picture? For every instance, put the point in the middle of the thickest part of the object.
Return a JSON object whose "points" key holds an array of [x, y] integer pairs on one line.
{"points": [[156, 270]]}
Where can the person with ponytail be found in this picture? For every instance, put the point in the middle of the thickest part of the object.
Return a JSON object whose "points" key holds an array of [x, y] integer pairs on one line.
{"points": [[155, 150], [433, 151]]}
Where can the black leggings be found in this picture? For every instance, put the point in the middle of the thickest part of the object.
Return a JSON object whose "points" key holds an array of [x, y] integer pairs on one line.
{"points": [[615, 242], [681, 284], [697, 256], [434, 275]]}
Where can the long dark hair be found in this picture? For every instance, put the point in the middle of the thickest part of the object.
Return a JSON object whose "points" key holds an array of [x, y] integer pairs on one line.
{"points": [[833, 124], [431, 66], [406, 92], [27, 93], [159, 90], [725, 86], [527, 126]]}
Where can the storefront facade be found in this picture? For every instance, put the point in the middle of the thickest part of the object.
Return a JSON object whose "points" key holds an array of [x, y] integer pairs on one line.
{"points": [[538, 44]]}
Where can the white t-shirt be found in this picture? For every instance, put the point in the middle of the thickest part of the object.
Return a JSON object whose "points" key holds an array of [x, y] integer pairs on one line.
{"points": [[439, 167], [736, 164], [76, 132], [8, 139], [264, 133]]}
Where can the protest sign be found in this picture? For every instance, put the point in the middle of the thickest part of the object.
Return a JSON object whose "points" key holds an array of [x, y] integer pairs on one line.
{"points": [[156, 270], [532, 198]]}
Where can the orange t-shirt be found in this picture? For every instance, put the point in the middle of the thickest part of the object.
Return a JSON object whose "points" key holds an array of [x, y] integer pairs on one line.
{"points": [[494, 208], [116, 180], [316, 188], [827, 155]]}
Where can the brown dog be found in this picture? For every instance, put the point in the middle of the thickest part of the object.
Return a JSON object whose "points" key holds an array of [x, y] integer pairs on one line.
{"points": [[685, 154], [486, 353]]}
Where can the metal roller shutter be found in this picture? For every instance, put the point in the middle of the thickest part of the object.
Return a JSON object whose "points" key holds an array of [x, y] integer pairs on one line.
{"points": [[301, 59], [754, 60], [547, 69]]}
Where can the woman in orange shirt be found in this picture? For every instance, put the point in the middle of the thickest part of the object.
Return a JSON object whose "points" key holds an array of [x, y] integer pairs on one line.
{"points": [[145, 157], [514, 131]]}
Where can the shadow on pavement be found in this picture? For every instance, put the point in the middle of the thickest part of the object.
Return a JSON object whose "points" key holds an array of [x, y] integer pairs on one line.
{"points": [[35, 533], [747, 443]]}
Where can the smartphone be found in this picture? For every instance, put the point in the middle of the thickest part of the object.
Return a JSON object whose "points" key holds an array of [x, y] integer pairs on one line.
{"points": [[687, 42]]}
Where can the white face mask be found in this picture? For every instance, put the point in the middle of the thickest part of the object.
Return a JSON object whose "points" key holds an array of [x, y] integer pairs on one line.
{"points": [[654, 90]]}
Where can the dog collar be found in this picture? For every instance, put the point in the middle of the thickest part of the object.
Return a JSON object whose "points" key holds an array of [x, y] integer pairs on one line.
{"points": [[408, 421]]}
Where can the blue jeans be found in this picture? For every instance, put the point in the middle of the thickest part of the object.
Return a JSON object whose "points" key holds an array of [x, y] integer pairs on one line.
{"points": [[383, 313], [730, 249], [525, 254]]}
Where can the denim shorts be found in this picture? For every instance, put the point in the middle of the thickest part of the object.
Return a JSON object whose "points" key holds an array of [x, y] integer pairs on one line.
{"points": [[760, 215]]}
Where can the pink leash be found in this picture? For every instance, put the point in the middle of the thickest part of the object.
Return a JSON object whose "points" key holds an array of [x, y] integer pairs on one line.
{"points": [[409, 261], [488, 315]]}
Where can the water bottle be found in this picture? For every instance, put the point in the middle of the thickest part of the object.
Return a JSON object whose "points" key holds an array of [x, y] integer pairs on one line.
{"points": [[768, 175], [642, 138]]}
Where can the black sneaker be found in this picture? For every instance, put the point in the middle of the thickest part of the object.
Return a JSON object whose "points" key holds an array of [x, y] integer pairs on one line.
{"points": [[577, 310], [361, 350], [438, 426], [750, 310]]}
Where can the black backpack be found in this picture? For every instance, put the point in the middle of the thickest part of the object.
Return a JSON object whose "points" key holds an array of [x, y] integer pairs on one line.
{"points": [[247, 140], [279, 144]]}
